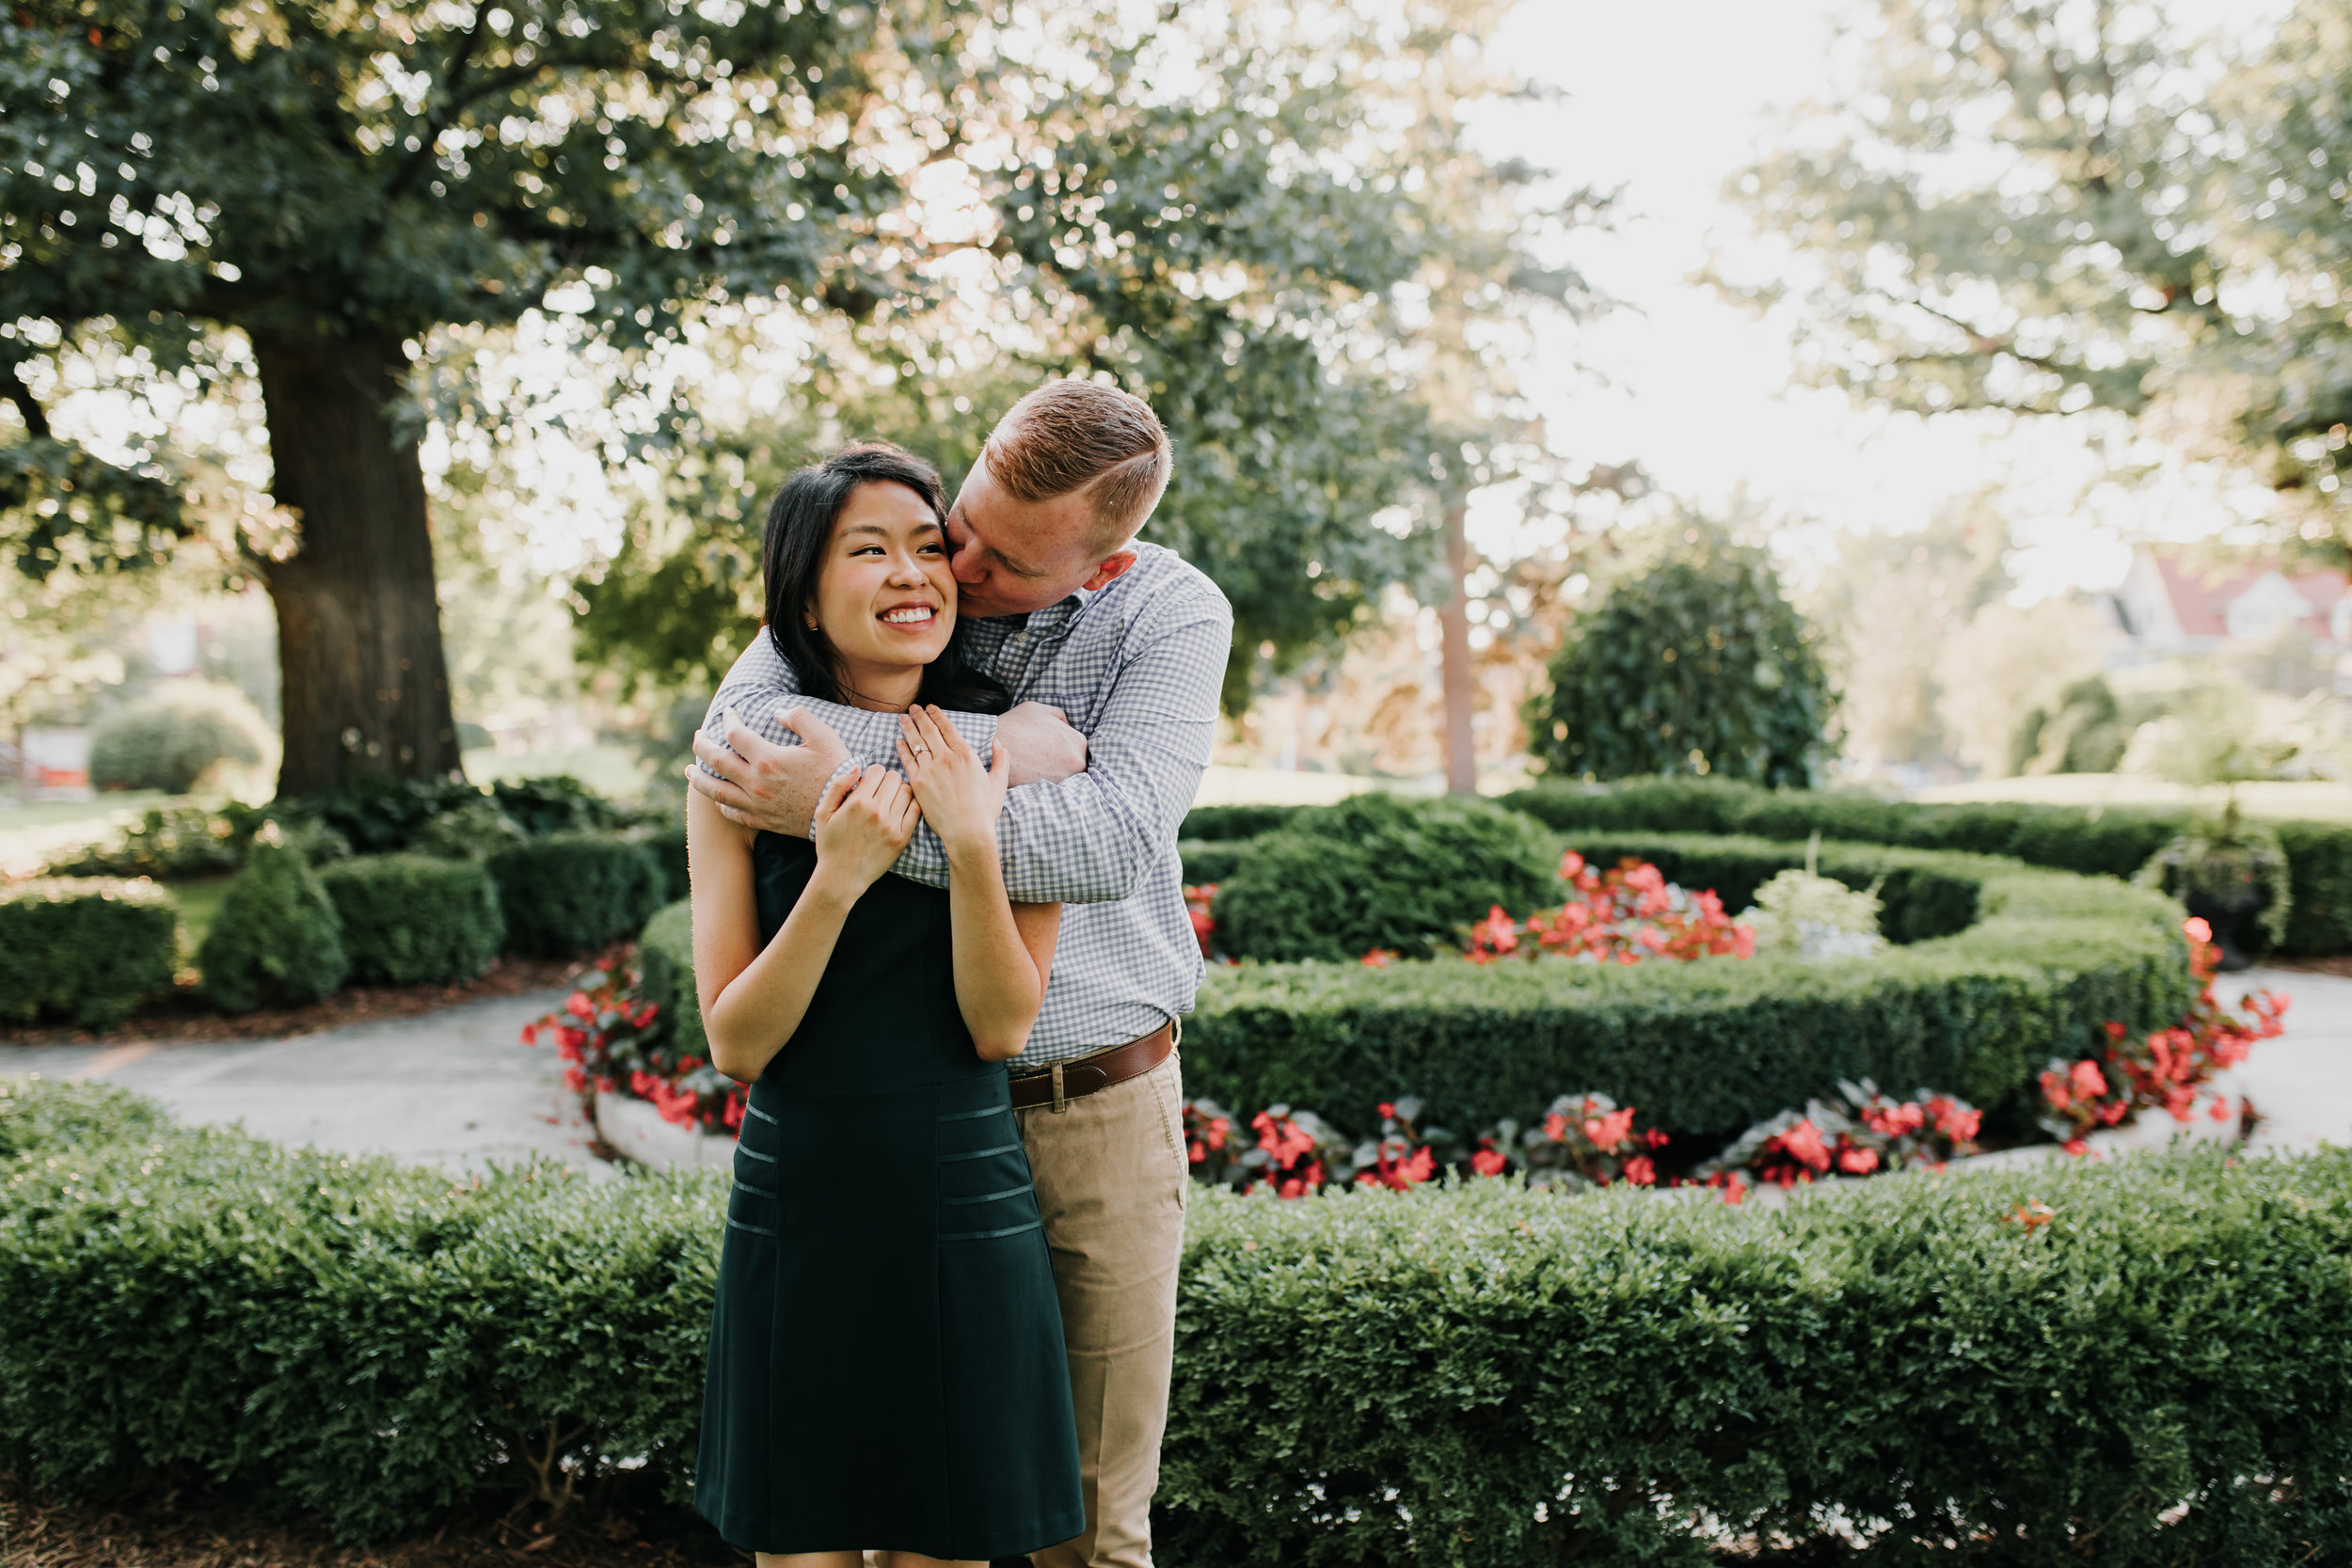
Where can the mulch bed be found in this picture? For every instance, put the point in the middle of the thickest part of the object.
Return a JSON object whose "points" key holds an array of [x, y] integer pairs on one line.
{"points": [[178, 1530], [182, 1017], [2334, 963]]}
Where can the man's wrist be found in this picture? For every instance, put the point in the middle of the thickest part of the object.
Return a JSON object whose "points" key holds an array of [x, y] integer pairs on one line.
{"points": [[824, 788]]}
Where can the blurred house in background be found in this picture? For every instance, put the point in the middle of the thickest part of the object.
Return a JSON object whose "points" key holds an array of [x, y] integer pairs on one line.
{"points": [[2168, 608]]}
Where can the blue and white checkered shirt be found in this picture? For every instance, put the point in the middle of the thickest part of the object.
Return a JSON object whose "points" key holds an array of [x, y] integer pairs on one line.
{"points": [[1137, 665]]}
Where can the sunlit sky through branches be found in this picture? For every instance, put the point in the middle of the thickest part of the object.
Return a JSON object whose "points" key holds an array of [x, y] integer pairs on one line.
{"points": [[1669, 101]]}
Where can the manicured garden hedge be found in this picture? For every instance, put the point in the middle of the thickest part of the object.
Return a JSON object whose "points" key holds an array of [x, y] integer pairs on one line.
{"points": [[85, 950], [2115, 843], [666, 962], [1713, 1045], [412, 920], [1381, 871], [1478, 1377], [569, 893]]}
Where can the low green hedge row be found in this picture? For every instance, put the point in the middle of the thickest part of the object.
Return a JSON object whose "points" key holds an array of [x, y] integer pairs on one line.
{"points": [[1974, 1008], [665, 964], [568, 893], [2160, 1373], [2115, 841], [411, 920], [82, 949]]}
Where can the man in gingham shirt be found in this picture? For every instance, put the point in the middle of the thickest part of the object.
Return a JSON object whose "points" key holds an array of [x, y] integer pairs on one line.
{"points": [[1125, 640]]}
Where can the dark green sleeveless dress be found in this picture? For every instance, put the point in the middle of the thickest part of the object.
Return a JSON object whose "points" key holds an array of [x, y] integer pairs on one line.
{"points": [[886, 1368]]}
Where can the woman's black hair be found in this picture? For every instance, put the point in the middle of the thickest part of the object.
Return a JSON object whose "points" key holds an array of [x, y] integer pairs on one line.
{"points": [[799, 525]]}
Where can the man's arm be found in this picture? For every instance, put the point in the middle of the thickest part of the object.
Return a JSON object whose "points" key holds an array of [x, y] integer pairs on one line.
{"points": [[1089, 839]]}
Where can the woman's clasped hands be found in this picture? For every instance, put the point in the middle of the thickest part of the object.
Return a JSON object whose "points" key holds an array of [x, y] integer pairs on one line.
{"points": [[959, 796], [868, 814]]}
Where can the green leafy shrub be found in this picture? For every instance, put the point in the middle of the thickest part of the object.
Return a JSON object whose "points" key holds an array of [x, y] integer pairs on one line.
{"points": [[1235, 822], [665, 963], [558, 803], [569, 893], [2001, 967], [667, 841], [472, 829], [1380, 871], [172, 737], [1471, 1376], [165, 842], [411, 920], [82, 949], [1699, 664], [278, 940], [1208, 861], [2115, 841], [378, 815], [1489, 1378]]}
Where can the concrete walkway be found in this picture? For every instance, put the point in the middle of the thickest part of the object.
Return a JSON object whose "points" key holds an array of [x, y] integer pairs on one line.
{"points": [[455, 1088], [2301, 1082]]}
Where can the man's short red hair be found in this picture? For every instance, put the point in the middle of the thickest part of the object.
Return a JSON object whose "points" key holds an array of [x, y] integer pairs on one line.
{"points": [[1084, 437]]}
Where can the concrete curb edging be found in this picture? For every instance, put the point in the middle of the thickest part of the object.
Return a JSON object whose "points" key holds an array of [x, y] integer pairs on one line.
{"points": [[635, 1130]]}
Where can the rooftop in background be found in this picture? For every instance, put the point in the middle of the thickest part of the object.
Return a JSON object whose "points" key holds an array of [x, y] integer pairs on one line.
{"points": [[2166, 605]]}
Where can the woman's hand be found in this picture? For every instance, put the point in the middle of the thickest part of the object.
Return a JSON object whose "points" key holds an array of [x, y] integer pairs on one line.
{"points": [[863, 823], [959, 797]]}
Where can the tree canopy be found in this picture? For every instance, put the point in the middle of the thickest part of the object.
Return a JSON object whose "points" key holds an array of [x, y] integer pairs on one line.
{"points": [[2051, 208]]}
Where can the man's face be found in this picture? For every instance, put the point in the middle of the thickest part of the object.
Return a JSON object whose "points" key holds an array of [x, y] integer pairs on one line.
{"points": [[1013, 555]]}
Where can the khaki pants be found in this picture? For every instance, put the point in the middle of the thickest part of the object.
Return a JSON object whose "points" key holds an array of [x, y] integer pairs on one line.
{"points": [[1112, 1175]]}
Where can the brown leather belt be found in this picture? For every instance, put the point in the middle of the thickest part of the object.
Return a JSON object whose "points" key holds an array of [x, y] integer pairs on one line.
{"points": [[1066, 1081]]}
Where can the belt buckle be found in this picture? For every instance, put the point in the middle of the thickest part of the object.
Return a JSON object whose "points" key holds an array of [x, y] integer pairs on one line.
{"points": [[1060, 1102]]}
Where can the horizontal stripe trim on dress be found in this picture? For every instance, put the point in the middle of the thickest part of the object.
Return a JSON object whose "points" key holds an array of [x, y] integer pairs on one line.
{"points": [[755, 1155], [980, 1153], [734, 1224], [975, 1116], [991, 1198], [987, 1235], [752, 1110], [743, 1186]]}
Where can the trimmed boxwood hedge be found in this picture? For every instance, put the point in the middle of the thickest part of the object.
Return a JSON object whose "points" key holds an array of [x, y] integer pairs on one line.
{"points": [[1381, 871], [84, 949], [1471, 1377], [412, 920], [2115, 842], [566, 894], [665, 964], [1713, 1045]]}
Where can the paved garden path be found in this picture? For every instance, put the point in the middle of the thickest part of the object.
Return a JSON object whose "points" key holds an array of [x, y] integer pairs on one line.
{"points": [[456, 1087]]}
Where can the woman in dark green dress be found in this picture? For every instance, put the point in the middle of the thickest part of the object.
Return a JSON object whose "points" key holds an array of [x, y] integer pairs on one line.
{"points": [[886, 1370]]}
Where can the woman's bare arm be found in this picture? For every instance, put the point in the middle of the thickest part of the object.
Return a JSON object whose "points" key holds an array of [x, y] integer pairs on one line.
{"points": [[754, 997]]}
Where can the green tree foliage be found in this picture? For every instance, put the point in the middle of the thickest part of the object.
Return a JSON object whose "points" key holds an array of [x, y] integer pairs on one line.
{"points": [[1280, 254], [2049, 208], [333, 184], [1695, 664]]}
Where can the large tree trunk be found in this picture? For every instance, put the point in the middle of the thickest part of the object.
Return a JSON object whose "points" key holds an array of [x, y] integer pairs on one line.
{"points": [[358, 626], [1460, 688]]}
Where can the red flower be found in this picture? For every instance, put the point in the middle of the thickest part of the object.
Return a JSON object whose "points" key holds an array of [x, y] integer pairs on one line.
{"points": [[1803, 1142], [1639, 1171], [1489, 1162]]}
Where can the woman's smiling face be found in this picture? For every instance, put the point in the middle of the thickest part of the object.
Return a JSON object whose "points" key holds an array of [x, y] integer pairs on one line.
{"points": [[886, 597]]}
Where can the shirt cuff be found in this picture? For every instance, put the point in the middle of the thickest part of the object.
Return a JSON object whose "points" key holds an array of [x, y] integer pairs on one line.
{"points": [[847, 765]]}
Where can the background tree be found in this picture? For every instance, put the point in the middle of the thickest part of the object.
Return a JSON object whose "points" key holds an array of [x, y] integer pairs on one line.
{"points": [[2053, 208], [1292, 255], [1694, 662], [294, 194]]}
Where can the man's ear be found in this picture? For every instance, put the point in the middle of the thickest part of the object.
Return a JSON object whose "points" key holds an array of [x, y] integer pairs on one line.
{"points": [[1110, 568]]}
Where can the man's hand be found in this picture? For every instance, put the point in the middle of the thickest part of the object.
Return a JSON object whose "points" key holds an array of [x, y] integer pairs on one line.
{"points": [[1044, 748], [761, 784]]}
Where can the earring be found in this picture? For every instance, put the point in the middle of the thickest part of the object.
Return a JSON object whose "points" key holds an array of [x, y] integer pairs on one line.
{"points": [[811, 620]]}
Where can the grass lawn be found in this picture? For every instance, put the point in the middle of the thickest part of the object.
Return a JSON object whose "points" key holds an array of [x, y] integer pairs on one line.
{"points": [[2316, 800], [200, 906]]}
